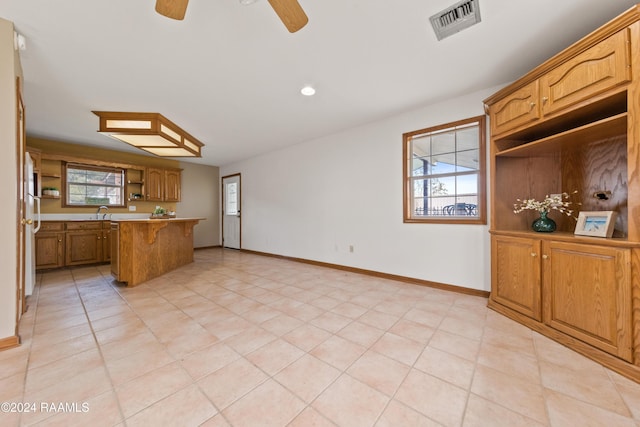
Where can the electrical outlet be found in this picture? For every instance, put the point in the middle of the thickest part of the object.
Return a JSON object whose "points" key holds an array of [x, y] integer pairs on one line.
{"points": [[132, 208], [351, 248]]}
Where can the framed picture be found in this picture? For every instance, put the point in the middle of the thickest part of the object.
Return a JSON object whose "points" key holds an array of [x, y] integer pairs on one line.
{"points": [[597, 223]]}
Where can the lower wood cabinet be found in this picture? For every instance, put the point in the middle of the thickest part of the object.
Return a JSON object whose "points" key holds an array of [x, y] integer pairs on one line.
{"points": [[581, 290], [587, 294], [50, 243], [69, 243], [516, 274]]}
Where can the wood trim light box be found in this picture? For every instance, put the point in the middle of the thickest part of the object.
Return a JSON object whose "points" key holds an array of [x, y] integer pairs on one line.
{"points": [[151, 132]]}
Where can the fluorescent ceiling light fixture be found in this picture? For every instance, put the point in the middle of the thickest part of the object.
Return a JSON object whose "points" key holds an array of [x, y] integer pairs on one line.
{"points": [[151, 132], [246, 2], [308, 91]]}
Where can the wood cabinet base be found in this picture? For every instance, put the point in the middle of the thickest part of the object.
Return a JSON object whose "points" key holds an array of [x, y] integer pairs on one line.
{"points": [[144, 249], [615, 364]]}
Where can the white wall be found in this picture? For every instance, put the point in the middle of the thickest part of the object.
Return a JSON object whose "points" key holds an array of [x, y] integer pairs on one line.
{"points": [[315, 199], [200, 199], [8, 176]]}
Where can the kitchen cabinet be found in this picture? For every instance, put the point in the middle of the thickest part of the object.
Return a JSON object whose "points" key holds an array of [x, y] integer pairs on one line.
{"points": [[135, 184], [83, 243], [50, 242], [570, 125], [154, 184], [163, 185], [69, 243], [172, 185], [106, 241]]}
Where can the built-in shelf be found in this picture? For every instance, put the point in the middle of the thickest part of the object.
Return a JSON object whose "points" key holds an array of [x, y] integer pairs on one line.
{"points": [[596, 131]]}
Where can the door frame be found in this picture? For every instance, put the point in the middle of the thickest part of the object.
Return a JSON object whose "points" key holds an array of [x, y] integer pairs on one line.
{"points": [[222, 201], [21, 229]]}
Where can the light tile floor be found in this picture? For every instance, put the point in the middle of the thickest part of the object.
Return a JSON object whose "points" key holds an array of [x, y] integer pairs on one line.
{"points": [[245, 340]]}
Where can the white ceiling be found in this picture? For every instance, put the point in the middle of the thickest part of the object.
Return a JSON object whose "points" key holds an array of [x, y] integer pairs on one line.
{"points": [[231, 74]]}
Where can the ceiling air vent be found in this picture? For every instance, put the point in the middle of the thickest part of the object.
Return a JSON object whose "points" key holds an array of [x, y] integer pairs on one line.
{"points": [[455, 18]]}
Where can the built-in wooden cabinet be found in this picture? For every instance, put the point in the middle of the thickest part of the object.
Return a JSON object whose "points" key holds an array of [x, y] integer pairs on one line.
{"points": [[154, 184], [163, 185], [571, 125], [135, 184], [172, 185], [601, 68], [69, 243], [106, 241], [50, 244], [588, 294], [517, 275], [83, 242], [516, 109]]}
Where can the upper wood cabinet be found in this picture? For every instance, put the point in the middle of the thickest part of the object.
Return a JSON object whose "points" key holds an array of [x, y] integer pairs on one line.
{"points": [[154, 184], [163, 185], [172, 185], [599, 69], [516, 109]]}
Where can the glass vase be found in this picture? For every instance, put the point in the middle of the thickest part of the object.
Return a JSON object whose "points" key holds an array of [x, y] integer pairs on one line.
{"points": [[544, 224]]}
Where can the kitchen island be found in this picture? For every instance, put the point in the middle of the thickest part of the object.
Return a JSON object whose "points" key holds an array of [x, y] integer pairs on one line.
{"points": [[142, 249]]}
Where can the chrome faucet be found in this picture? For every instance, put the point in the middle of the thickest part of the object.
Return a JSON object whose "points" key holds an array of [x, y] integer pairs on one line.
{"points": [[98, 212]]}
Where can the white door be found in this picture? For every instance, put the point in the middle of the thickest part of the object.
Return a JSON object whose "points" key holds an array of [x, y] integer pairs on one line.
{"points": [[231, 211]]}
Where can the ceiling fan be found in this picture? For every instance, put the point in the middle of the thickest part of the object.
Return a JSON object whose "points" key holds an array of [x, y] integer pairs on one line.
{"points": [[289, 11]]}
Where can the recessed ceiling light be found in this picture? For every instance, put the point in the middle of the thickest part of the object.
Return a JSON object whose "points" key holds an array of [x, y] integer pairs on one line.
{"points": [[246, 2], [308, 91]]}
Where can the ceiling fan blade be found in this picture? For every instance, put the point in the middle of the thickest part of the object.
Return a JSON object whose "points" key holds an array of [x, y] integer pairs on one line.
{"points": [[174, 9], [290, 13]]}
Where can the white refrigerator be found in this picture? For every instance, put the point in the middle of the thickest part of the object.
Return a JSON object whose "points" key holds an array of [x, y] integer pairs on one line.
{"points": [[32, 215]]}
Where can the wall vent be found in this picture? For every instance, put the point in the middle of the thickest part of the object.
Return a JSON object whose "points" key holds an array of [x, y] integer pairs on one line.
{"points": [[455, 18]]}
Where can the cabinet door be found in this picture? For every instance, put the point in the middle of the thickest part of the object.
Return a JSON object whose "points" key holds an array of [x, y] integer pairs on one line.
{"points": [[106, 245], [516, 109], [83, 247], [172, 185], [587, 293], [154, 184], [515, 274], [49, 250], [596, 70]]}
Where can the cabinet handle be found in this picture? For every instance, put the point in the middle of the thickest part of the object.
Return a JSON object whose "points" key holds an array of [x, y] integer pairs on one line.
{"points": [[545, 257], [98, 237], [60, 240], [533, 254], [544, 99], [532, 104]]}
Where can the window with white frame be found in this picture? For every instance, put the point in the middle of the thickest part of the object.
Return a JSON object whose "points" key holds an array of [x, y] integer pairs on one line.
{"points": [[444, 173]]}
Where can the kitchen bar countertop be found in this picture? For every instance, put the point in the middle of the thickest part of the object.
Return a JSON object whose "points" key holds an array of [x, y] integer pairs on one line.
{"points": [[144, 248]]}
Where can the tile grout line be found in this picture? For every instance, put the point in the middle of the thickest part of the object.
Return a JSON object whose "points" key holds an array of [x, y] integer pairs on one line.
{"points": [[99, 348]]}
